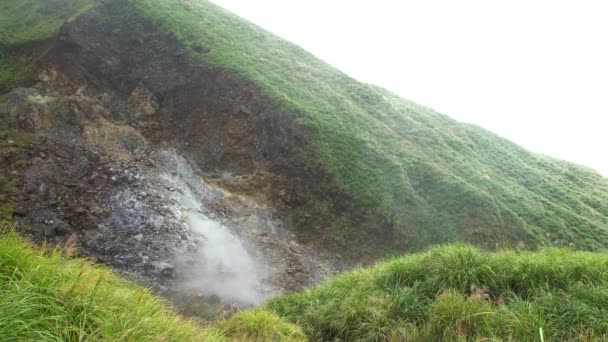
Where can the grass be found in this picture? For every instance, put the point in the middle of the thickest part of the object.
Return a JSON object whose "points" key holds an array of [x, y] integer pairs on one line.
{"points": [[7, 67], [25, 21], [50, 296], [29, 20], [415, 177], [449, 293], [261, 325], [458, 293]]}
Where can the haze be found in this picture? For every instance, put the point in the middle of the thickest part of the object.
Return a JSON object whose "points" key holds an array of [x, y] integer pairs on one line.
{"points": [[535, 72]]}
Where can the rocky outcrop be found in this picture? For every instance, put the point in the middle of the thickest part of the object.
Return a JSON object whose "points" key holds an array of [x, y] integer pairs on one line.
{"points": [[132, 139]]}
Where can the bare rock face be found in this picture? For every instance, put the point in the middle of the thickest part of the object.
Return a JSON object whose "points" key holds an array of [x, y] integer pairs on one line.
{"points": [[169, 172]]}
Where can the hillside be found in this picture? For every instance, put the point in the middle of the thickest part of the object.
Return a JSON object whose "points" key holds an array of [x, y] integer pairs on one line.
{"points": [[459, 293], [410, 176], [381, 173]]}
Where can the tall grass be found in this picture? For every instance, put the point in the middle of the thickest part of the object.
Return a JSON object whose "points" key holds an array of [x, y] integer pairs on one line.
{"points": [[28, 20], [454, 293], [449, 293], [261, 325], [48, 296]]}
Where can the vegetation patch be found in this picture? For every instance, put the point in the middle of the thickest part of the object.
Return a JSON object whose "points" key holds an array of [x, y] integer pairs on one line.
{"points": [[13, 145], [29, 20], [261, 325], [450, 293], [68, 299], [459, 293], [25, 21], [7, 68]]}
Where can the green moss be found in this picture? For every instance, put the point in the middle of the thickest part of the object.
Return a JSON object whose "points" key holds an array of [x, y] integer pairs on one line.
{"points": [[7, 191], [7, 69], [28, 20], [459, 293], [25, 21], [10, 139]]}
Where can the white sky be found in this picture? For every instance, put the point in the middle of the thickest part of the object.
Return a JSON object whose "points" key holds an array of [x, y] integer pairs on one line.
{"points": [[535, 72]]}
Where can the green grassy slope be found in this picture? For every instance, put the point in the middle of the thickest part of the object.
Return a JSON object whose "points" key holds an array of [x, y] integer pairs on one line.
{"points": [[48, 296], [458, 293], [24, 21], [448, 293], [427, 177]]}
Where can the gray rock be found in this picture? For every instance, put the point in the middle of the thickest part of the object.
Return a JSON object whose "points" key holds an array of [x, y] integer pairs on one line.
{"points": [[21, 211]]}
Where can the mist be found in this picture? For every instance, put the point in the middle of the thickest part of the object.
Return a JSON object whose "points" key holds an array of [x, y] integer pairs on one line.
{"points": [[220, 264]]}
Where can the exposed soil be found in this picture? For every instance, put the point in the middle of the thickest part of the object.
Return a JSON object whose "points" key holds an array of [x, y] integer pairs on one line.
{"points": [[115, 106]]}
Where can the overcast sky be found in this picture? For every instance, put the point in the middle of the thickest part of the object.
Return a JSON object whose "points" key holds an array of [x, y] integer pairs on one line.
{"points": [[535, 72]]}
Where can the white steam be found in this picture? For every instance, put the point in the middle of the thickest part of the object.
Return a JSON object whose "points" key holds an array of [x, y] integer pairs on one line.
{"points": [[225, 268], [221, 265]]}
